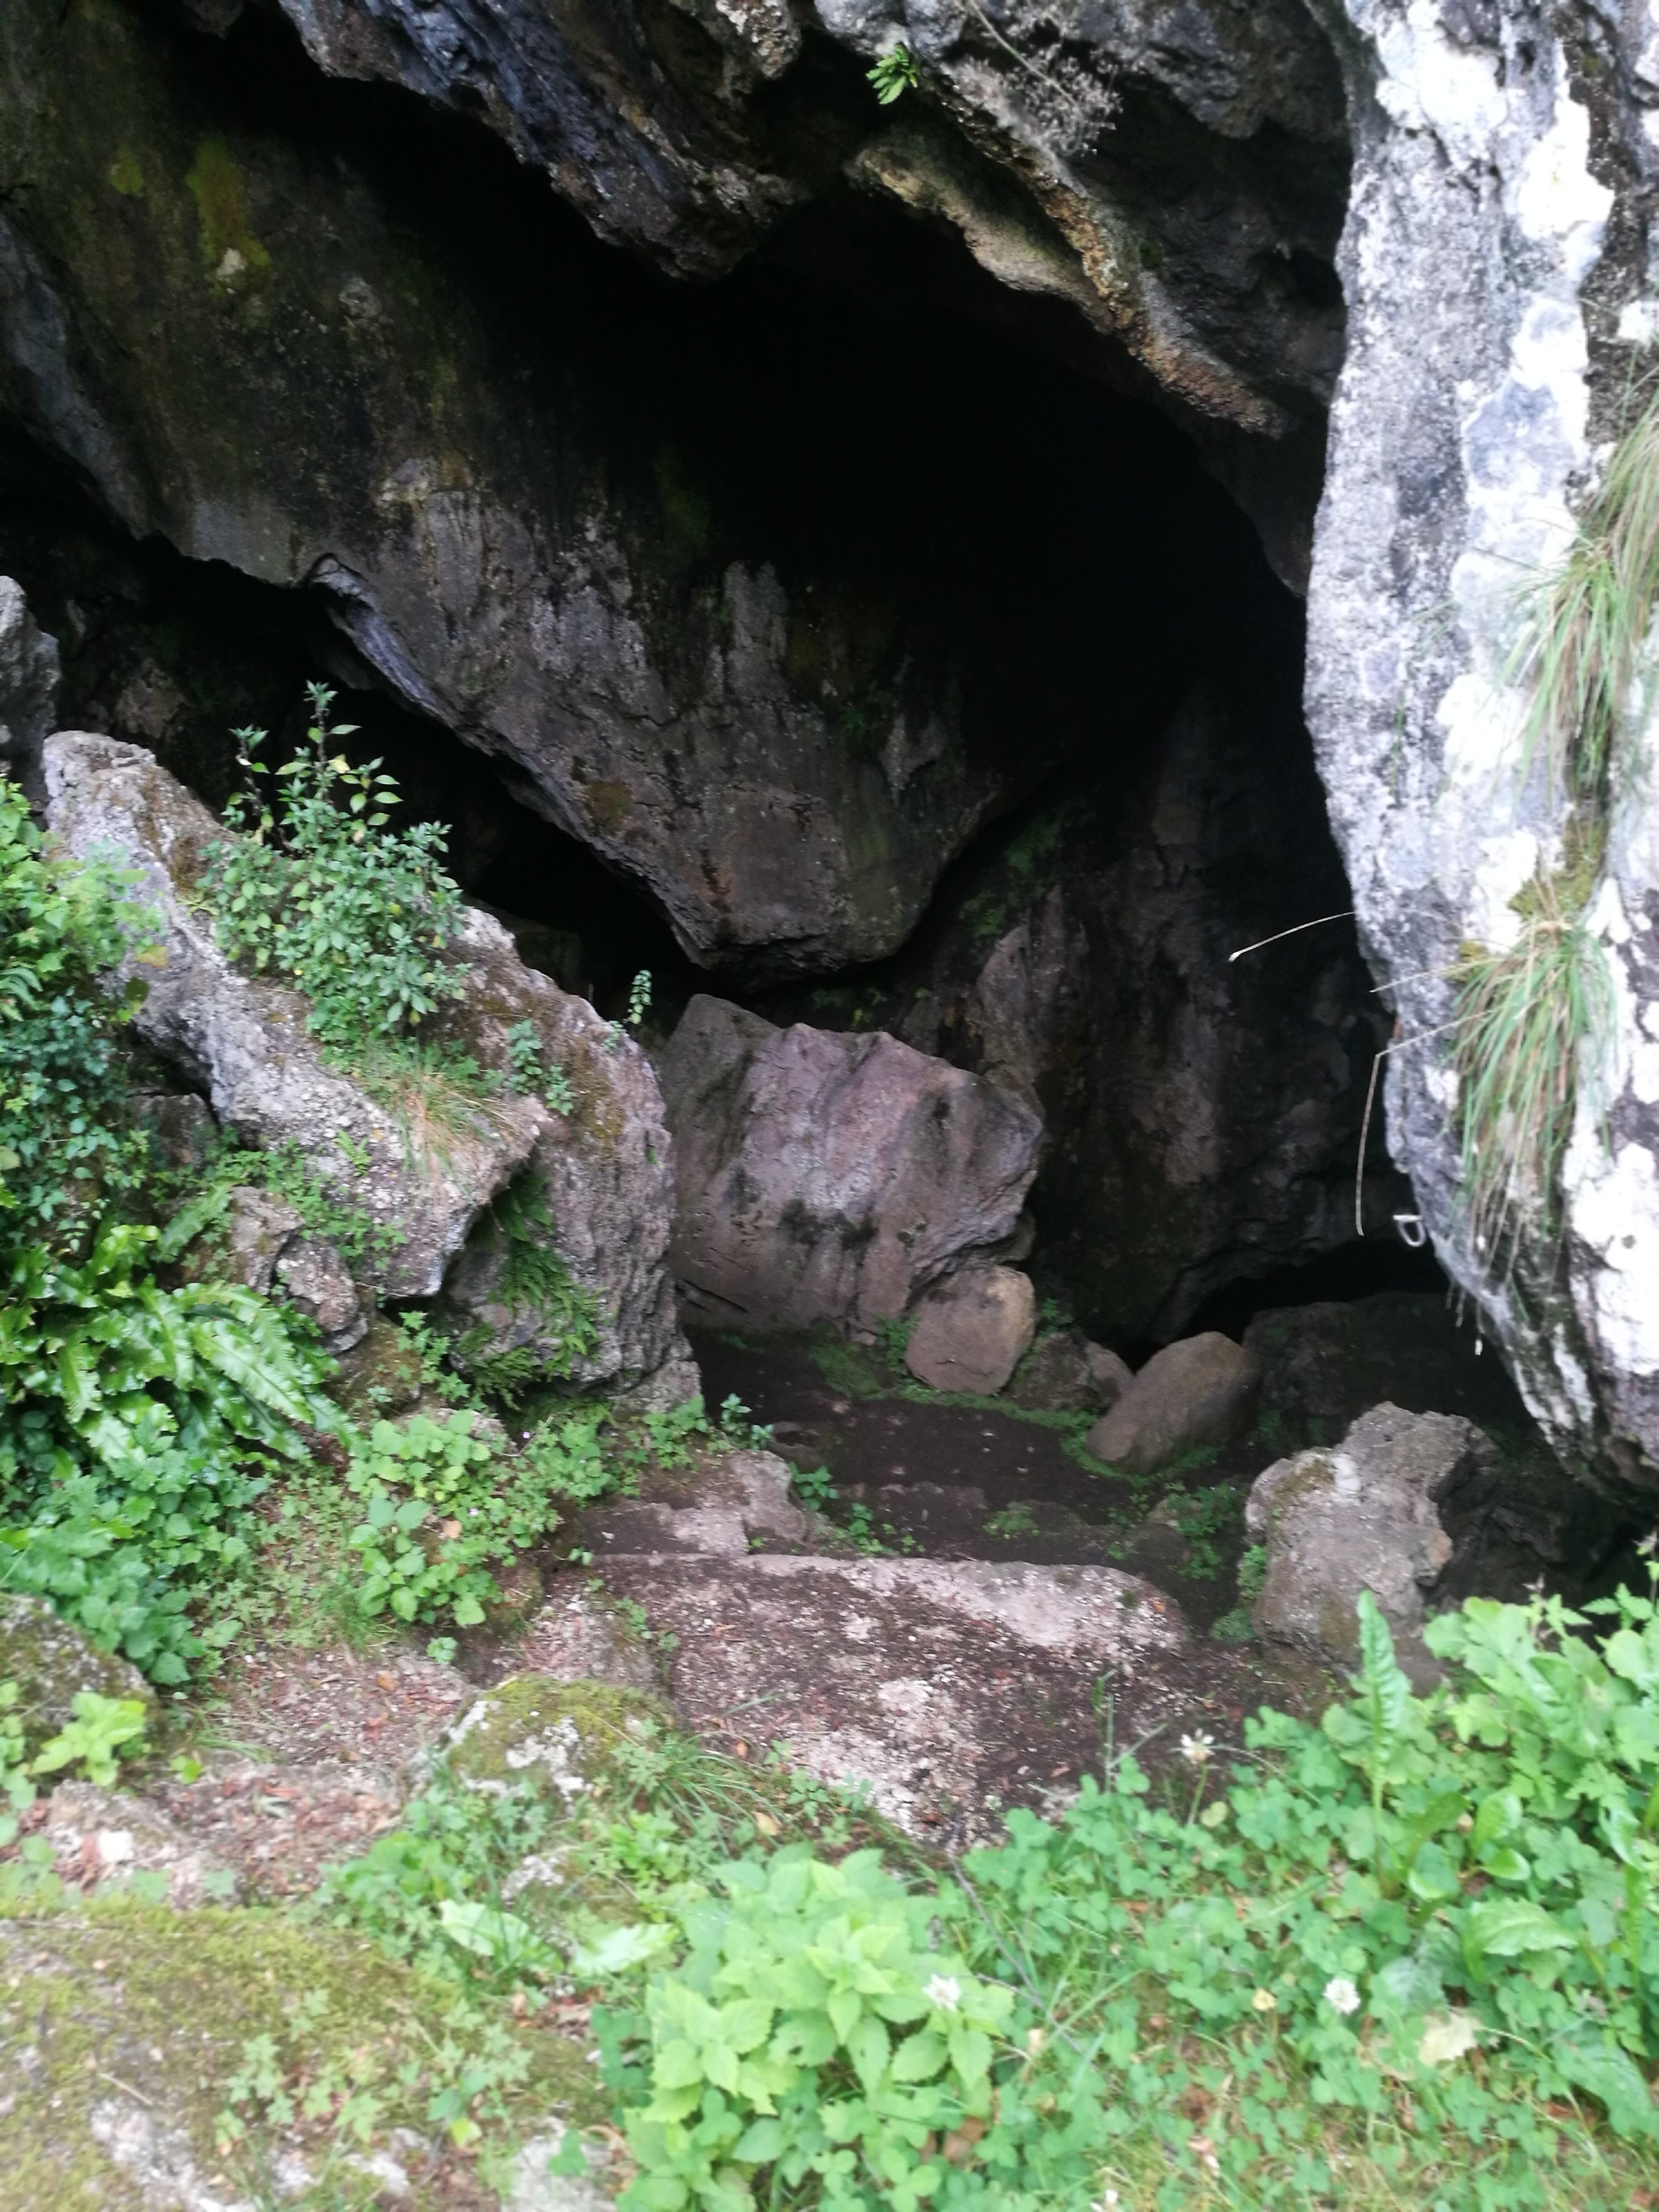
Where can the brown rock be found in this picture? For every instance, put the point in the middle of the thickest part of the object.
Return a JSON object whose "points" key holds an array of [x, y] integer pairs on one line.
{"points": [[827, 1175], [1200, 1391], [972, 1330], [1065, 1373]]}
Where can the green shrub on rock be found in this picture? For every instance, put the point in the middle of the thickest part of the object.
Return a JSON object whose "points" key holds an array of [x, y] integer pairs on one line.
{"points": [[312, 885]]}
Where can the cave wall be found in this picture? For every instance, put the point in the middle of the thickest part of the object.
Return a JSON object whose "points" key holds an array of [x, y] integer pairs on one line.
{"points": [[684, 573]]}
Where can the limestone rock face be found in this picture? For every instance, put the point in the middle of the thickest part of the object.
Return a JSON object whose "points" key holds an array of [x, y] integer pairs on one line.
{"points": [[972, 1330], [829, 1177], [1200, 1391], [1203, 1113], [1496, 288], [28, 684], [780, 709], [1363, 1516], [687, 143], [595, 1186]]}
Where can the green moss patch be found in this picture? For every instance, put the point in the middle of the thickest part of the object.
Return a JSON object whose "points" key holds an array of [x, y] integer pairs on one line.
{"points": [[123, 2031], [533, 1729]]}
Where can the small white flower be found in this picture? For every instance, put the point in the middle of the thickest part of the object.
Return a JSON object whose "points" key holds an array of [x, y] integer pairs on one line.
{"points": [[1645, 1546], [1196, 1748], [1341, 1996], [945, 1991]]}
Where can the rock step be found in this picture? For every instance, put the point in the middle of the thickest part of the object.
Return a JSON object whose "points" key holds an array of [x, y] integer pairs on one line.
{"points": [[950, 1688]]}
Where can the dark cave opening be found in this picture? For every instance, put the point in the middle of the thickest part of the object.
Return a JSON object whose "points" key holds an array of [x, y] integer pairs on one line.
{"points": [[967, 524]]}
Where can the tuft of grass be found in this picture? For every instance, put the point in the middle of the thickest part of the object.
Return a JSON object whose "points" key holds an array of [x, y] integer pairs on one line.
{"points": [[1586, 625], [1527, 1017]]}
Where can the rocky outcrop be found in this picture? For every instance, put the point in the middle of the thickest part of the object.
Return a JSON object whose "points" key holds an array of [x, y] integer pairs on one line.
{"points": [[830, 1177], [593, 1186], [261, 1243], [28, 686], [1499, 295], [1200, 1391], [1065, 1373], [1362, 1516], [1324, 1364], [949, 1688], [972, 1330], [646, 596]]}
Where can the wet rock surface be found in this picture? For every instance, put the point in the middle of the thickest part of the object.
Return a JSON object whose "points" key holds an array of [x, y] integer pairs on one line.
{"points": [[825, 1176], [1065, 1373]]}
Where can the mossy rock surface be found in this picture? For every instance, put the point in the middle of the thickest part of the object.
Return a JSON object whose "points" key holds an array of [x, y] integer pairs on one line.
{"points": [[50, 1660], [120, 2030], [558, 1735]]}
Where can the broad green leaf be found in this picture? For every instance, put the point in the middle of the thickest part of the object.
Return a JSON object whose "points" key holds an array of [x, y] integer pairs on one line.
{"points": [[1509, 1928]]}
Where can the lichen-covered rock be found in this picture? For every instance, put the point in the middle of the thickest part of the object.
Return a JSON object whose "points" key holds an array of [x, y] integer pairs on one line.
{"points": [[1363, 1516], [123, 2033], [596, 1185], [1496, 265], [828, 1176], [246, 1041], [1200, 1391], [1065, 1373], [50, 1660], [972, 1330], [554, 1734], [28, 686]]}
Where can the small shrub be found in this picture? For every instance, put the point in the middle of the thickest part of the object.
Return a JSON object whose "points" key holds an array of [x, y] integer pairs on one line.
{"points": [[438, 1505], [312, 885]]}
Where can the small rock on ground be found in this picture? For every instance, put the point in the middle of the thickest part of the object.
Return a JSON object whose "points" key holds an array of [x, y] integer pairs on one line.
{"points": [[1065, 1373], [99, 1835], [972, 1330]]}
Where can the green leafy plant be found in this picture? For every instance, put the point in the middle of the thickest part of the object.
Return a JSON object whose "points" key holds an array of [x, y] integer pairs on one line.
{"points": [[102, 1727], [67, 1144], [438, 1505], [535, 1283], [895, 74], [313, 886], [533, 1073], [136, 1427], [813, 2039]]}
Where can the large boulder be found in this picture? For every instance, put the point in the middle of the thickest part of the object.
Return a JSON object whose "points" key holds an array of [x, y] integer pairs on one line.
{"points": [[1197, 1393], [1364, 1516], [592, 1187], [827, 1177], [28, 686], [972, 1330]]}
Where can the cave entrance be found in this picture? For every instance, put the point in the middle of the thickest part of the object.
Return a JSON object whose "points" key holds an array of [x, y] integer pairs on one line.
{"points": [[840, 636]]}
